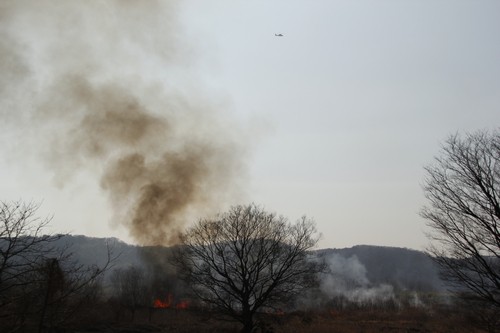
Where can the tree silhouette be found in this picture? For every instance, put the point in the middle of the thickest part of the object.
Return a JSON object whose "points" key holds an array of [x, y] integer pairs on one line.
{"points": [[463, 190], [248, 260]]}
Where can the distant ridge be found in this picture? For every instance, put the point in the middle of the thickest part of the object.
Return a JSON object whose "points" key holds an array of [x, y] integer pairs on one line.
{"points": [[404, 269]]}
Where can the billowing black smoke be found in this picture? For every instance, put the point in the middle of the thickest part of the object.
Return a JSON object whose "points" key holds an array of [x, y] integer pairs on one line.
{"points": [[102, 85]]}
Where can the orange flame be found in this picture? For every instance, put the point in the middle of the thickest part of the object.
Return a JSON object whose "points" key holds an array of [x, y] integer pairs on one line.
{"points": [[160, 304], [168, 302]]}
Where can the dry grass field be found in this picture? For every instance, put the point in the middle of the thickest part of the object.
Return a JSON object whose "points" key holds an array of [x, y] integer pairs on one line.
{"points": [[348, 321]]}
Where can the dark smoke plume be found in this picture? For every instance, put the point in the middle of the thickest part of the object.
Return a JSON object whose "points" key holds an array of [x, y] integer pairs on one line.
{"points": [[103, 84]]}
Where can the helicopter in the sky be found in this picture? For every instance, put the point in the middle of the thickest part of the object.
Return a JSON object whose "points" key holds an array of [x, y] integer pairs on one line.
{"points": [[278, 35]]}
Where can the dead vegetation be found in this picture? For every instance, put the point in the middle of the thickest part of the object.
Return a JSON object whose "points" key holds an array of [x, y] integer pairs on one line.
{"points": [[437, 320]]}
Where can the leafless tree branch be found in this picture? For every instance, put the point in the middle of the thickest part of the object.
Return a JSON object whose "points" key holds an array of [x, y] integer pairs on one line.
{"points": [[247, 259], [463, 191]]}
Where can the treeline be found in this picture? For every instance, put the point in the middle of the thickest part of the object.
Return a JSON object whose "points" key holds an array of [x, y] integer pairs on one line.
{"points": [[42, 286]]}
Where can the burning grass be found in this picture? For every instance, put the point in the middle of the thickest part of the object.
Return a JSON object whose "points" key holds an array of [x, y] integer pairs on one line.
{"points": [[175, 319], [169, 302]]}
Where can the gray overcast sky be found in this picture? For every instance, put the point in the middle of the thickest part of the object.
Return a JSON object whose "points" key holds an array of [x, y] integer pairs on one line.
{"points": [[340, 114]]}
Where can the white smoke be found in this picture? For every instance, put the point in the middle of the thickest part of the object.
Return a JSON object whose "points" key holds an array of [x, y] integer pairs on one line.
{"points": [[346, 277]]}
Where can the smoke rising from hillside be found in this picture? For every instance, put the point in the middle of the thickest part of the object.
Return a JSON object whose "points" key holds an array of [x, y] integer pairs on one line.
{"points": [[103, 86], [345, 281], [347, 277]]}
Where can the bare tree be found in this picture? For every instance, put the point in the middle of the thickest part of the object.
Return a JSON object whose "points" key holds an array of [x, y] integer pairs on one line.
{"points": [[39, 280], [248, 260], [65, 289], [132, 288], [463, 190], [23, 246]]}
